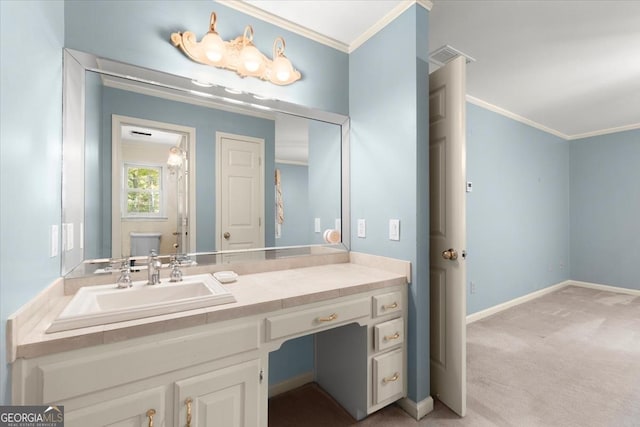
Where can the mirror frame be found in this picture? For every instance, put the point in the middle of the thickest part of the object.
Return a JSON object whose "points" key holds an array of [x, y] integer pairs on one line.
{"points": [[76, 64]]}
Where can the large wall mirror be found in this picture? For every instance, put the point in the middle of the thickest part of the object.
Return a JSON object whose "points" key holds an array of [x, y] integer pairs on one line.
{"points": [[157, 161]]}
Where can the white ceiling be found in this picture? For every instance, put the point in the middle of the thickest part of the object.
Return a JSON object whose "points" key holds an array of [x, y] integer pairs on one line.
{"points": [[569, 67]]}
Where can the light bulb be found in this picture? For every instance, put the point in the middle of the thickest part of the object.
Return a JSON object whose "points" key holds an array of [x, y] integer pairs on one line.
{"points": [[214, 48], [251, 58]]}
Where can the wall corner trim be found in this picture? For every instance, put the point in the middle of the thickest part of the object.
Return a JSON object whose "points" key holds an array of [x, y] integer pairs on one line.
{"points": [[416, 410], [606, 288], [536, 294], [516, 301], [291, 384]]}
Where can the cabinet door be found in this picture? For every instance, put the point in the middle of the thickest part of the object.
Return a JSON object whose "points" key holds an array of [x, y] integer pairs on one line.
{"points": [[135, 410], [227, 397]]}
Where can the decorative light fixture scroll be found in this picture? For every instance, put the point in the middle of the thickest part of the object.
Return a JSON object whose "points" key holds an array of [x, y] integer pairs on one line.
{"points": [[239, 55]]}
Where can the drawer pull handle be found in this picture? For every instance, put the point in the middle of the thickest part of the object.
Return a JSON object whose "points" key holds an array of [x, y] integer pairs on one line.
{"points": [[392, 337], [188, 402], [150, 414], [390, 306], [331, 317], [395, 377]]}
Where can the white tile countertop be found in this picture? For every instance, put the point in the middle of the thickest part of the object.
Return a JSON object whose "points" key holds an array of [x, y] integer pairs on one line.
{"points": [[255, 293]]}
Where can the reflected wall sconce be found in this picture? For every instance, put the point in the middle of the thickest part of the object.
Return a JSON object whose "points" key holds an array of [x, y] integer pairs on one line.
{"points": [[239, 55], [176, 158]]}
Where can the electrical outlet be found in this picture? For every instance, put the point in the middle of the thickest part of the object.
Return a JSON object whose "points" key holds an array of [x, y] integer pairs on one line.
{"points": [[472, 287]]}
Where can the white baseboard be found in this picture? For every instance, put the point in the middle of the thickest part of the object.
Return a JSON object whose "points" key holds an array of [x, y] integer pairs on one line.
{"points": [[533, 295], [291, 384], [608, 288], [517, 301], [416, 410]]}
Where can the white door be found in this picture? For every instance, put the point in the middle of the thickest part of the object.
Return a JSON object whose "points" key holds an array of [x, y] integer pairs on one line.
{"points": [[240, 192], [447, 154]]}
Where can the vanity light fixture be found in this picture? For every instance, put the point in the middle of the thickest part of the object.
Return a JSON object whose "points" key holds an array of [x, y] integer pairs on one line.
{"points": [[239, 55]]}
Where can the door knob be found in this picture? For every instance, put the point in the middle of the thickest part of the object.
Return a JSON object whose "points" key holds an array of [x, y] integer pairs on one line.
{"points": [[226, 235], [450, 254]]}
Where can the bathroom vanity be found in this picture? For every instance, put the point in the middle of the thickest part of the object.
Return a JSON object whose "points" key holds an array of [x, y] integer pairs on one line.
{"points": [[209, 366]]}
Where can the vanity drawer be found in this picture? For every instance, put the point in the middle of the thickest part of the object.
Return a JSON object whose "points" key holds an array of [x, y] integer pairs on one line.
{"points": [[387, 303], [316, 318], [388, 378], [388, 334]]}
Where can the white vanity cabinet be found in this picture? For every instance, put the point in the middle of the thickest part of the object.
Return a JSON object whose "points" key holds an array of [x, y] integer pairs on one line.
{"points": [[216, 374], [138, 409], [227, 397]]}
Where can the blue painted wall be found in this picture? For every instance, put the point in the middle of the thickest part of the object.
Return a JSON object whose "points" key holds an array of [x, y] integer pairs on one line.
{"points": [[293, 358], [518, 212], [295, 191], [324, 193], [207, 122], [30, 154], [138, 32], [605, 208], [389, 164]]}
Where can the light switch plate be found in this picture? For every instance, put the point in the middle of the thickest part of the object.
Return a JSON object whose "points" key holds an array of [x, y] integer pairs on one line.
{"points": [[394, 229], [362, 228], [316, 225]]}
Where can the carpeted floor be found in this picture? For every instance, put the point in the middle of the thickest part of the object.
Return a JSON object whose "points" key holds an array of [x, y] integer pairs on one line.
{"points": [[569, 358]]}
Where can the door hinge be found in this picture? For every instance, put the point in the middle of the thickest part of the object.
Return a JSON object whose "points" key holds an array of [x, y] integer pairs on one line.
{"points": [[259, 221], [261, 375]]}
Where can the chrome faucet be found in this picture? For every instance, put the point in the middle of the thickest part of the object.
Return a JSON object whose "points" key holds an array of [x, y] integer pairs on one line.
{"points": [[154, 265]]}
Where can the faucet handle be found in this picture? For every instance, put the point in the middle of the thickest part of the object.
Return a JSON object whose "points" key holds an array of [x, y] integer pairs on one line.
{"points": [[176, 274], [124, 281]]}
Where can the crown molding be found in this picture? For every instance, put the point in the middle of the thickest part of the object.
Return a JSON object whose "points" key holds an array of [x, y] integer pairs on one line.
{"points": [[518, 118], [605, 131], [386, 20], [514, 116], [251, 10], [258, 13]]}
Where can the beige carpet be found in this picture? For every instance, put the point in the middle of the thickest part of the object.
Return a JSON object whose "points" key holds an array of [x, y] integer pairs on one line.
{"points": [[569, 358]]}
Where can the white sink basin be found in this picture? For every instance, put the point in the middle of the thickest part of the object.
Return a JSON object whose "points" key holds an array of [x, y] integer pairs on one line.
{"points": [[98, 305]]}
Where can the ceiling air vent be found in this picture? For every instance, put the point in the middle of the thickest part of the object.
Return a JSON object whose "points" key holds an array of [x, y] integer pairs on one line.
{"points": [[445, 54], [137, 132]]}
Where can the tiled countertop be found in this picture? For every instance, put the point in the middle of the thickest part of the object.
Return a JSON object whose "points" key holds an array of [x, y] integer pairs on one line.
{"points": [[255, 294]]}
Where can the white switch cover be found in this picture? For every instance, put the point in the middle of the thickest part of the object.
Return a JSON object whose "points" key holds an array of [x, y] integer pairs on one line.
{"points": [[316, 226], [54, 240], [82, 235], [394, 229], [362, 228], [469, 186], [338, 224]]}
